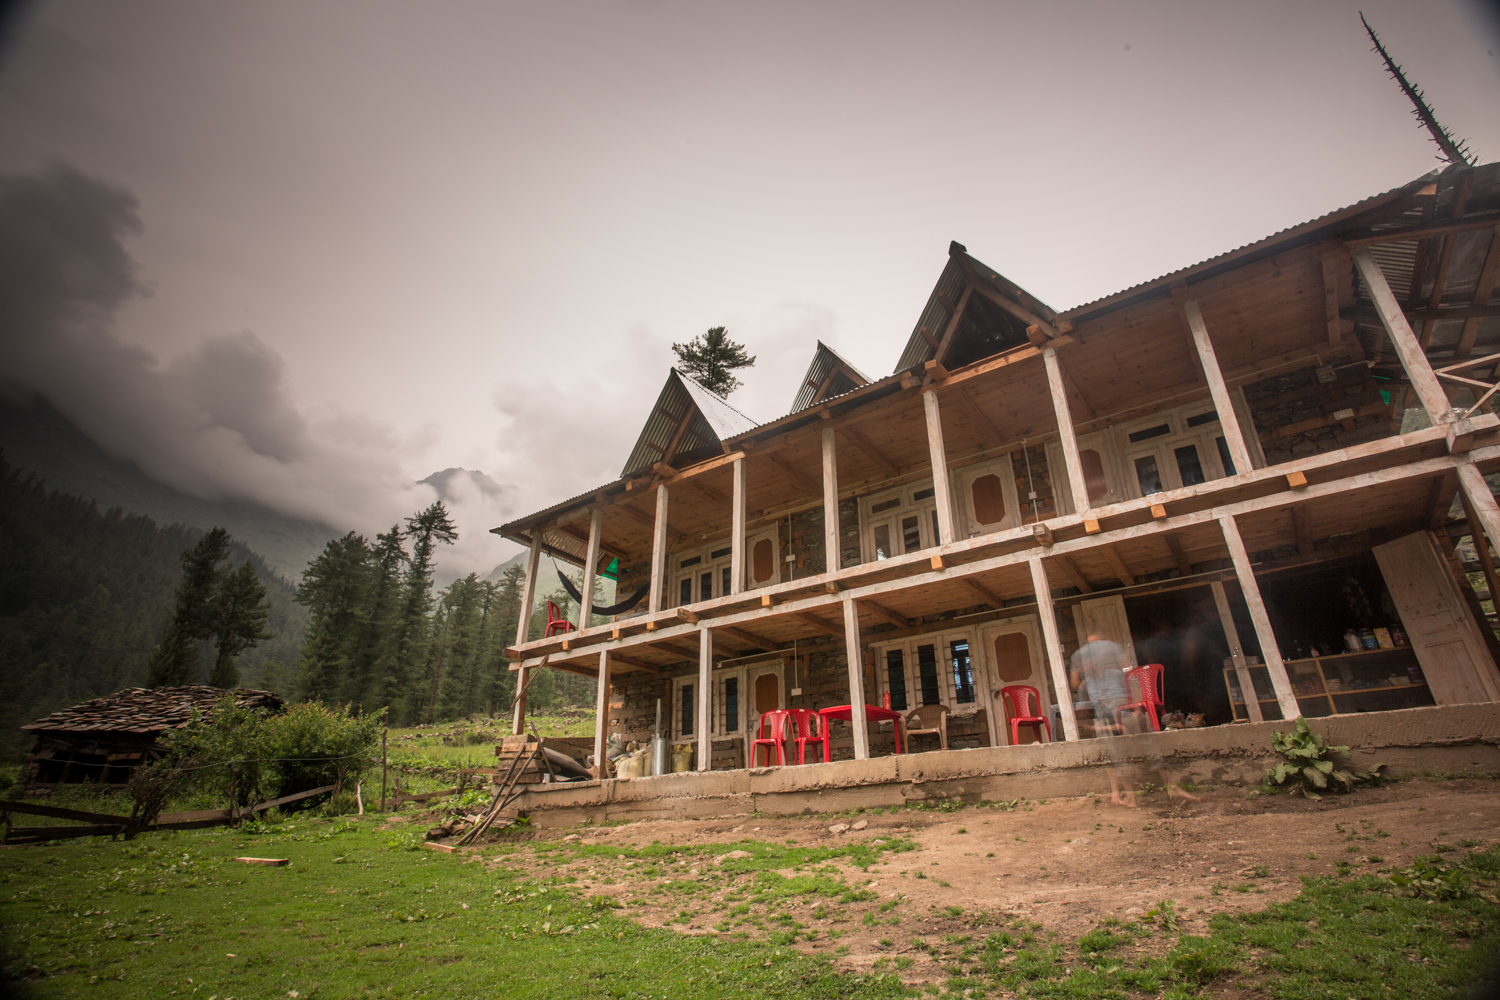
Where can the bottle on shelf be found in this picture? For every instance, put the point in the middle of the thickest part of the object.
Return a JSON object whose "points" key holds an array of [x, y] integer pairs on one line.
{"points": [[1367, 639], [1352, 641]]}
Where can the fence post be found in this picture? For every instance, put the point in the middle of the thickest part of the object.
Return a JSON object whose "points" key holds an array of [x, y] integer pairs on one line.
{"points": [[382, 769]]}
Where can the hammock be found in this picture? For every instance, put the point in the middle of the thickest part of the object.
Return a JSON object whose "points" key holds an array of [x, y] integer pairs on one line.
{"points": [[613, 609]]}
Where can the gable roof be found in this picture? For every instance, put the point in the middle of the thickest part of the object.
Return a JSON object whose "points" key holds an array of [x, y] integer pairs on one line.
{"points": [[828, 376], [687, 423], [147, 710]]}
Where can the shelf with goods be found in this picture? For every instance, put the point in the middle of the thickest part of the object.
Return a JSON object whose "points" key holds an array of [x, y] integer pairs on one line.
{"points": [[1365, 680]]}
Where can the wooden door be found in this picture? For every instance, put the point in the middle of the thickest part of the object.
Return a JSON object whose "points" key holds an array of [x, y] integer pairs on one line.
{"points": [[764, 684], [1014, 654], [1105, 615], [1448, 644]]}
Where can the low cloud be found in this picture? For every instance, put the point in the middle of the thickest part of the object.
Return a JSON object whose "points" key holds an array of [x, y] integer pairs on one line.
{"points": [[214, 422]]}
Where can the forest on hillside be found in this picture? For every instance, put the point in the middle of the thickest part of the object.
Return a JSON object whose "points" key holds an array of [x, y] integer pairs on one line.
{"points": [[85, 595]]}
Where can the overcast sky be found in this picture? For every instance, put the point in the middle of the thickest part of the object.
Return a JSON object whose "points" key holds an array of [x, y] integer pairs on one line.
{"points": [[334, 247]]}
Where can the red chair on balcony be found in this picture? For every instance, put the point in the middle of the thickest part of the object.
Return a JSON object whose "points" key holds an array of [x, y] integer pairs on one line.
{"points": [[556, 623], [809, 729], [1148, 679], [1024, 706], [779, 725]]}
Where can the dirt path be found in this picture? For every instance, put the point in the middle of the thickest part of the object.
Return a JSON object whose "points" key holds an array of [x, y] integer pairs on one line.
{"points": [[1063, 865]]}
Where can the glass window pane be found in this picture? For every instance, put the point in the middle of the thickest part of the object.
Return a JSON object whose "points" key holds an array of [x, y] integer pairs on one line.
{"points": [[1188, 465], [687, 710], [882, 541], [963, 672], [1150, 432], [731, 704], [921, 495], [724, 587], [936, 534], [685, 591], [911, 536], [705, 586], [1224, 458], [928, 675], [895, 678], [884, 505], [1148, 475]]}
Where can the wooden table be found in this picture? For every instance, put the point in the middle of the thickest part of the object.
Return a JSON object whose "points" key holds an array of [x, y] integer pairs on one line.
{"points": [[873, 713]]}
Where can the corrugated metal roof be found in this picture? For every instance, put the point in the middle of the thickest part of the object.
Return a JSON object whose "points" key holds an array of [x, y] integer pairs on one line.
{"points": [[710, 421], [724, 419], [825, 361]]}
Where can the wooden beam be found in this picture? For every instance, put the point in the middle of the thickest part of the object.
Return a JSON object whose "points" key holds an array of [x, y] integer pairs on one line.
{"points": [[682, 427], [958, 311], [688, 615], [1158, 512], [1053, 643], [971, 409], [1122, 572], [1270, 653], [1302, 526], [601, 716], [1296, 480], [1332, 264], [1066, 437], [805, 481], [938, 453], [749, 638], [831, 547], [854, 656], [703, 727], [985, 594], [1413, 358], [1479, 499], [1236, 652], [659, 550], [523, 627], [634, 664], [676, 649], [1482, 548], [818, 623], [1042, 534], [590, 568], [881, 611], [1440, 499], [1421, 232], [1175, 546], [1071, 571], [822, 389], [857, 438], [1484, 288], [1228, 423], [714, 496], [737, 531], [647, 521], [1019, 311]]}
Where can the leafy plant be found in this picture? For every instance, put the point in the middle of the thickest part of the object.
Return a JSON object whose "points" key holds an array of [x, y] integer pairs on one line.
{"points": [[1311, 765], [1429, 877]]}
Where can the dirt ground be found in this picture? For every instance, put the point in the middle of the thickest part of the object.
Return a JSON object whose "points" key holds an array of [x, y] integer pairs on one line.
{"points": [[1064, 864]]}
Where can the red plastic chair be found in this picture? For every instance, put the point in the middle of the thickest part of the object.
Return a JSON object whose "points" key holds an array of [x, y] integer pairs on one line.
{"points": [[1149, 681], [779, 722], [1024, 705], [809, 730], [556, 621]]}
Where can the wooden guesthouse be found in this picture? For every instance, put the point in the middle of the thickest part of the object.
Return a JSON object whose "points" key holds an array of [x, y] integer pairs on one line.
{"points": [[1229, 470]]}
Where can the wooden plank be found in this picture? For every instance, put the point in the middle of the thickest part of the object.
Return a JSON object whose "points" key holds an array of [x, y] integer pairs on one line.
{"points": [[1236, 652], [971, 409], [1484, 288], [985, 594], [816, 622], [36, 834], [812, 487], [590, 568], [1020, 312], [858, 439], [1477, 496], [265, 862], [1050, 639], [523, 626], [440, 848], [749, 638], [1269, 651], [703, 727], [601, 716], [1413, 358], [1420, 232], [1071, 571], [938, 455], [1331, 265], [57, 812], [1482, 548], [1122, 572], [1066, 437], [856, 663], [1178, 554], [1302, 527], [953, 321], [831, 547], [659, 550], [737, 531], [1229, 425], [881, 611]]}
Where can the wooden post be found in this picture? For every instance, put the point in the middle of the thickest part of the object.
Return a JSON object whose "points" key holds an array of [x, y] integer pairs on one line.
{"points": [[590, 567], [1269, 651], [1482, 501], [942, 490], [383, 733], [1068, 439], [659, 549], [1241, 669], [601, 717], [1408, 348], [830, 502], [523, 633], [703, 727], [1228, 422], [1050, 639], [856, 681], [737, 531]]}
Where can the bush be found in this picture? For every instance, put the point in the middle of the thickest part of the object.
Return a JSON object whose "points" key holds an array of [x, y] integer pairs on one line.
{"points": [[1311, 765], [317, 744]]}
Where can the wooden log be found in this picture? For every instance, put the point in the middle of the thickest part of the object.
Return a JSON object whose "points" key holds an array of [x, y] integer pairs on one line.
{"points": [[737, 532], [1269, 651], [523, 626], [1066, 436], [1413, 357], [266, 862], [1048, 616], [942, 490], [659, 550], [856, 663], [830, 501], [601, 716], [1228, 423], [1236, 651], [590, 569], [704, 696]]}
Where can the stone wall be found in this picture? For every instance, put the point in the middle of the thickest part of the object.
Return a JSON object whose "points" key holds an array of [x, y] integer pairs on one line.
{"points": [[1297, 399]]}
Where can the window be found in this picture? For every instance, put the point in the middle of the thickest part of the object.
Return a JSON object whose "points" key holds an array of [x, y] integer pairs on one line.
{"points": [[898, 522], [895, 671], [929, 670], [706, 573], [687, 704], [738, 696], [986, 498]]}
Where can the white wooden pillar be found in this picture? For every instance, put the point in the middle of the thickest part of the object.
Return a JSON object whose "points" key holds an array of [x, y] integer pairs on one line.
{"points": [[830, 502], [1228, 422], [1236, 652], [1408, 348], [1067, 438], [1481, 500], [942, 489], [703, 723], [737, 531], [523, 627], [1269, 651], [590, 567], [659, 550], [601, 717], [857, 718], [1055, 661]]}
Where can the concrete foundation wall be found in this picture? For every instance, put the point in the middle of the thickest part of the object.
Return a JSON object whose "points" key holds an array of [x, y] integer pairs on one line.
{"points": [[1447, 738]]}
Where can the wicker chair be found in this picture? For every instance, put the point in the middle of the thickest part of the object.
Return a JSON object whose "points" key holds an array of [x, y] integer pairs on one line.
{"points": [[929, 720]]}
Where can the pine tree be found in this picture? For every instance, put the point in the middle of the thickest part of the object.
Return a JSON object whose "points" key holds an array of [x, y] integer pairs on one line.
{"points": [[712, 359], [376, 671], [335, 588], [238, 621], [427, 530], [175, 660]]}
